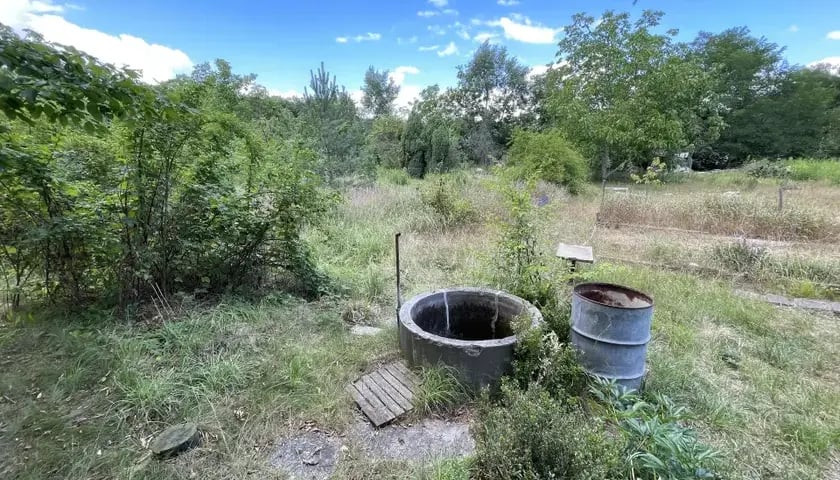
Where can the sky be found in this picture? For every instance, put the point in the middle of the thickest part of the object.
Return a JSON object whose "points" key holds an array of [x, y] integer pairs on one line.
{"points": [[421, 42]]}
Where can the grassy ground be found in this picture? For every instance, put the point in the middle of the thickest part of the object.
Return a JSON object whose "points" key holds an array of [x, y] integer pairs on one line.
{"points": [[80, 397]]}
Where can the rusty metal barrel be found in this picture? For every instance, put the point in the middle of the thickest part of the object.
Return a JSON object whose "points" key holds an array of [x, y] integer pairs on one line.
{"points": [[611, 331]]}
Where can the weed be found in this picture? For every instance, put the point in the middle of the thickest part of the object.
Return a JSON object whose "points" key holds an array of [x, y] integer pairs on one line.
{"points": [[815, 169], [440, 390], [443, 194], [393, 176]]}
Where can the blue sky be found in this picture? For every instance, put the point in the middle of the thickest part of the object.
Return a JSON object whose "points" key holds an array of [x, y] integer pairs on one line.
{"points": [[281, 40]]}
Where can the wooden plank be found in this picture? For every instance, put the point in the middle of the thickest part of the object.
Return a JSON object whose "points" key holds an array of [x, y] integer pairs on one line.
{"points": [[383, 397], [578, 253], [407, 374], [400, 376], [389, 389], [397, 384], [376, 414]]}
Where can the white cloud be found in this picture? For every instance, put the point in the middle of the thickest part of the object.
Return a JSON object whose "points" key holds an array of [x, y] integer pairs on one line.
{"points": [[793, 28], [439, 3], [834, 35], [427, 13], [522, 29], [832, 64], [156, 62], [367, 37], [409, 40], [428, 48], [399, 73], [537, 70], [450, 49], [285, 94], [436, 29], [482, 37], [508, 3], [449, 11]]}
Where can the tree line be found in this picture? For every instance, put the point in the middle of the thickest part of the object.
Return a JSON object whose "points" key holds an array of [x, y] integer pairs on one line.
{"points": [[115, 191]]}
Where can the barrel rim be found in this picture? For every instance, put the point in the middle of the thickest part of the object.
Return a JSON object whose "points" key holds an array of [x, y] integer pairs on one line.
{"points": [[621, 288]]}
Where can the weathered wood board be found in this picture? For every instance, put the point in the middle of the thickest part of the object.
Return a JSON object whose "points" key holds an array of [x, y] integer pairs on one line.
{"points": [[385, 394]]}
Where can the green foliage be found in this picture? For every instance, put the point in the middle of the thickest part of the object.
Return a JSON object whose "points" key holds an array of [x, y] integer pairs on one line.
{"points": [[623, 92], [61, 84], [492, 87], [767, 169], [384, 142], [379, 92], [430, 138], [520, 267], [444, 194], [658, 444], [190, 200], [532, 435], [652, 175], [440, 390], [547, 156], [331, 121], [543, 360]]}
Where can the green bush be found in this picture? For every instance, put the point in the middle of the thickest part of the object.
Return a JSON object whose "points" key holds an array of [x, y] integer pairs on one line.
{"points": [[547, 156], [541, 358], [443, 193], [767, 169], [531, 435]]}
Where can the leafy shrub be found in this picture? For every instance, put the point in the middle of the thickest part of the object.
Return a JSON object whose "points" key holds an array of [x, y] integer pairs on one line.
{"points": [[384, 142], [767, 169], [531, 435], [444, 195], [547, 156], [542, 359], [658, 446], [520, 268], [652, 174], [740, 257]]}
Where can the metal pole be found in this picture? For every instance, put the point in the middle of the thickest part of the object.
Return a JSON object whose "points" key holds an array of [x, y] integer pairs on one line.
{"points": [[397, 256], [781, 197]]}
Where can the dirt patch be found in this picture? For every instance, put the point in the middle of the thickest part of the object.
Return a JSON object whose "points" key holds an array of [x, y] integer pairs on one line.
{"points": [[426, 440], [314, 454], [310, 455]]}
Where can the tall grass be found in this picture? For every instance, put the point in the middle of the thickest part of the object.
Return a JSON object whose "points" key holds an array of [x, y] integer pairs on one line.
{"points": [[815, 169], [722, 214]]}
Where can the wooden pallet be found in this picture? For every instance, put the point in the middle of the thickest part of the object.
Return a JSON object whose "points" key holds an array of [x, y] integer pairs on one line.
{"points": [[385, 394]]}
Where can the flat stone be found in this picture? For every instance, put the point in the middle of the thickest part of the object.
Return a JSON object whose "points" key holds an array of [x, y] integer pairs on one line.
{"points": [[365, 330], [429, 439], [311, 455], [175, 439]]}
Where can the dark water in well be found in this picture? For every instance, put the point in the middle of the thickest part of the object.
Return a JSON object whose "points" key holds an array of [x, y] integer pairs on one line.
{"points": [[466, 322]]}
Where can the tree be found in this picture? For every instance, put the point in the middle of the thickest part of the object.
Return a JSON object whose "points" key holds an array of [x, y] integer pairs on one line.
{"points": [[431, 131], [331, 117], [384, 141], [379, 92], [622, 92], [493, 96], [744, 69]]}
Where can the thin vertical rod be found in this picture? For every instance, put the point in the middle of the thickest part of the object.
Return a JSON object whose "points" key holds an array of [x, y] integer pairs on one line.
{"points": [[397, 256]]}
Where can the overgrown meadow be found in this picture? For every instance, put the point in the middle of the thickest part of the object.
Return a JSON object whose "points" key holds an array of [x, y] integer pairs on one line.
{"points": [[198, 251]]}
